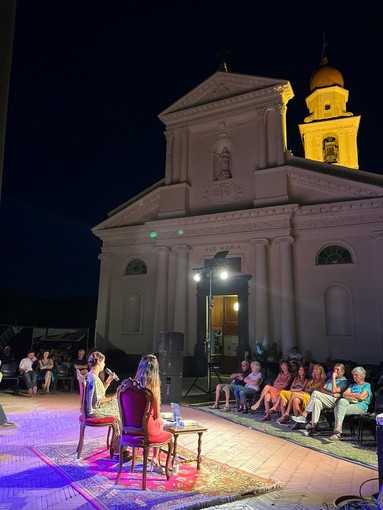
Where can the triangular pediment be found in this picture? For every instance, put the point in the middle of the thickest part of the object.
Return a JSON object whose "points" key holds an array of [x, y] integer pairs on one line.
{"points": [[223, 86], [138, 210]]}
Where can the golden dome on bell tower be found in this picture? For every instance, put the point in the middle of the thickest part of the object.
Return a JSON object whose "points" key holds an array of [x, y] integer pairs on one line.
{"points": [[326, 76]]}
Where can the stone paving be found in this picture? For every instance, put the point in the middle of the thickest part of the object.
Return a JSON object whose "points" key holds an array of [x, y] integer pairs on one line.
{"points": [[311, 480]]}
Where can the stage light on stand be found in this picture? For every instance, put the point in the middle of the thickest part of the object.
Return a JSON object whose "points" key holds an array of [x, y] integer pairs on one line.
{"points": [[208, 272]]}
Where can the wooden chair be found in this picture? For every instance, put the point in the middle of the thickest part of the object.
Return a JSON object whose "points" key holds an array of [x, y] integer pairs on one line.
{"points": [[88, 421], [136, 405]]}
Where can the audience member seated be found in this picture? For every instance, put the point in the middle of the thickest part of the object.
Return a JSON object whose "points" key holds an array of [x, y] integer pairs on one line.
{"points": [[252, 386], [28, 373], [325, 398], [379, 378], [295, 354], [355, 400], [294, 367], [236, 378], [297, 386], [80, 363], [273, 353], [6, 356], [45, 373], [270, 392], [299, 399]]}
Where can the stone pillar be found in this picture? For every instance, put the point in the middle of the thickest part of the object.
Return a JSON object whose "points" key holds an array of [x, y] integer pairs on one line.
{"points": [[161, 296], [275, 151], [262, 149], [103, 305], [288, 321], [181, 292], [184, 154], [282, 136], [262, 313], [169, 135]]}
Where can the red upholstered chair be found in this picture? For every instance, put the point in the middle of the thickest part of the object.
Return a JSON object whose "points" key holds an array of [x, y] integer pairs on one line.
{"points": [[136, 405], [87, 421]]}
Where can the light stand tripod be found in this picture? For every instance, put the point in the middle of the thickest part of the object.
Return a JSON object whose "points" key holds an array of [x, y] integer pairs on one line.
{"points": [[208, 272]]}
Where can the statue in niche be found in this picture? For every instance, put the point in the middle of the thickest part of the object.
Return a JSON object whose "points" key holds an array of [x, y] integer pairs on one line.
{"points": [[224, 165]]}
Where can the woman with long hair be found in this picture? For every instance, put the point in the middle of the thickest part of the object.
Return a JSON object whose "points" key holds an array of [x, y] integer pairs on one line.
{"points": [[45, 373], [271, 391], [298, 399], [148, 375], [299, 384]]}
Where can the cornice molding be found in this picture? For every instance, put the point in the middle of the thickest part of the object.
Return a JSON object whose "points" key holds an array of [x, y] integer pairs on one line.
{"points": [[331, 183], [132, 212], [344, 213], [248, 98]]}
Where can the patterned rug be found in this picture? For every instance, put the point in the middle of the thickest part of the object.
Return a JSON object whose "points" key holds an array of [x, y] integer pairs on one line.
{"points": [[94, 475]]}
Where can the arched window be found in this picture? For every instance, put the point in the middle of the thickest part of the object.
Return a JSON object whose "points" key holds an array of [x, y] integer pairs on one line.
{"points": [[132, 313], [334, 254], [330, 150], [136, 266]]}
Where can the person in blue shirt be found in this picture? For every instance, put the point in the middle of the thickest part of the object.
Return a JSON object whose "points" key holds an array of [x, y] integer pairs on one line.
{"points": [[355, 400], [325, 398]]}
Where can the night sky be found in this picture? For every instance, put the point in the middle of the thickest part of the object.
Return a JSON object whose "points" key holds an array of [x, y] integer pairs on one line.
{"points": [[88, 82]]}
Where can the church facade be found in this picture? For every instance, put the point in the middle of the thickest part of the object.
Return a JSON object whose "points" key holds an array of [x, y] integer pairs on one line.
{"points": [[301, 238]]}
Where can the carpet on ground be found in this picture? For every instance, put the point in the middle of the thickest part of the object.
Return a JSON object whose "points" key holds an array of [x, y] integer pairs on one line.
{"points": [[94, 476], [347, 448]]}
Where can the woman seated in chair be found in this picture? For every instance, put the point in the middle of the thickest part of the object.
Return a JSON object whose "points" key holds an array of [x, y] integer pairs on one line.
{"points": [[298, 385], [271, 391], [355, 400], [299, 399], [148, 375], [98, 404], [45, 373]]}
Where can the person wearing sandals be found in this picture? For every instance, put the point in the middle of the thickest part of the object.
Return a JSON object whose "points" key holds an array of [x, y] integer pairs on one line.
{"points": [[299, 399], [252, 386], [271, 391], [298, 385], [237, 378], [325, 398], [355, 400]]}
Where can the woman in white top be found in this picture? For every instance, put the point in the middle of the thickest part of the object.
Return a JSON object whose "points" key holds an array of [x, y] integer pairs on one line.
{"points": [[252, 386]]}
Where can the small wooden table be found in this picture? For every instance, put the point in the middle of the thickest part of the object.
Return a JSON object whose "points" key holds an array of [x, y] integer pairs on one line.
{"points": [[178, 430]]}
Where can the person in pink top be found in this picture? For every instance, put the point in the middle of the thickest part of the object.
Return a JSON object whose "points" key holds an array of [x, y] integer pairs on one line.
{"points": [[271, 391], [148, 375]]}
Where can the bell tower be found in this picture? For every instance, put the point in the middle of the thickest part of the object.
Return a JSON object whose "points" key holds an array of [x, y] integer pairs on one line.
{"points": [[329, 133]]}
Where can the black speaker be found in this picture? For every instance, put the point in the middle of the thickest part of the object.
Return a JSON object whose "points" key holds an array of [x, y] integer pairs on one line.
{"points": [[170, 359]]}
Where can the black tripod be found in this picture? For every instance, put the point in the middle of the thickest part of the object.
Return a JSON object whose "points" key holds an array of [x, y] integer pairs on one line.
{"points": [[211, 368]]}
